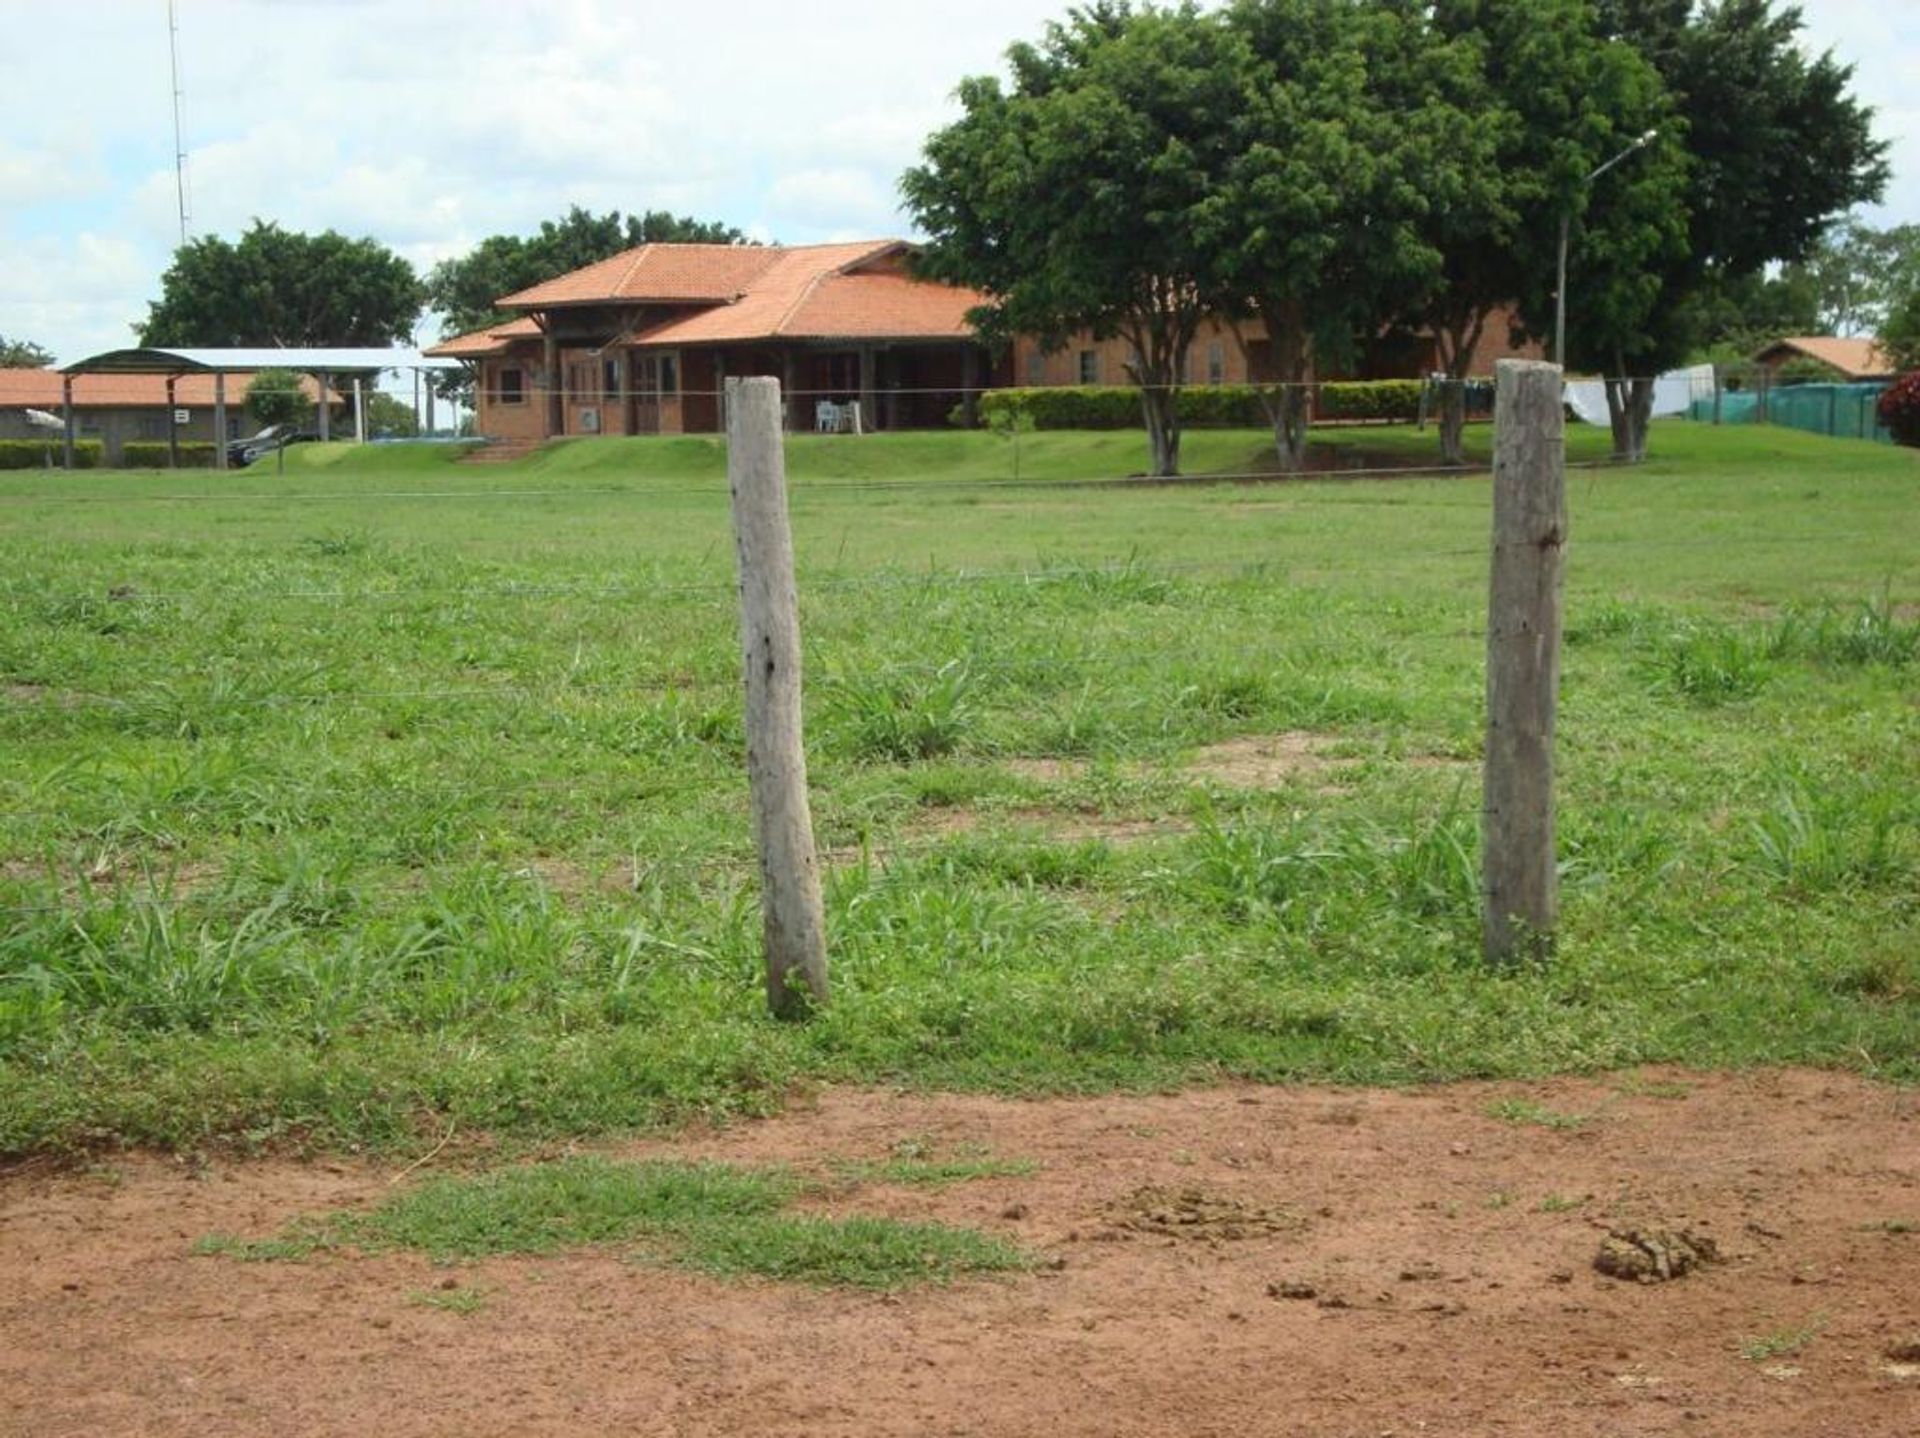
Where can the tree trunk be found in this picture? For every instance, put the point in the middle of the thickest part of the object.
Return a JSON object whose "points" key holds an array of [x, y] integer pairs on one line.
{"points": [[1285, 400], [1629, 411], [1453, 421], [1288, 411], [1160, 404]]}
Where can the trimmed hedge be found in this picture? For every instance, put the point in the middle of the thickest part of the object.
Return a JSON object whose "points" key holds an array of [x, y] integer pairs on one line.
{"points": [[1233, 406], [152, 454], [32, 453]]}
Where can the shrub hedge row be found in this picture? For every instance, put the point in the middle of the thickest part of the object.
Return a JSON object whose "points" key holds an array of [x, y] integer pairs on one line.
{"points": [[32, 453], [152, 454], [1233, 406], [91, 453]]}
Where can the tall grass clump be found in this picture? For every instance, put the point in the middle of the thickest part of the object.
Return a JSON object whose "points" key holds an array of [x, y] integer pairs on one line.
{"points": [[902, 714], [1817, 844], [1707, 663], [1870, 632]]}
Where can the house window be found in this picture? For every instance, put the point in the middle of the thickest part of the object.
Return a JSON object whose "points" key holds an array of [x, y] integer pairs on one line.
{"points": [[1089, 366], [151, 426], [513, 386], [581, 380], [670, 374], [1216, 363], [233, 427], [1036, 369], [610, 376]]}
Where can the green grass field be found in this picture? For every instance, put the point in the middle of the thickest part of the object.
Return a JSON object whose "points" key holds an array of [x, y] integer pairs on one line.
{"points": [[341, 806]]}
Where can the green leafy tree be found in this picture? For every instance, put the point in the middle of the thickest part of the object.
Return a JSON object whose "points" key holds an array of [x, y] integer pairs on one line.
{"points": [[1900, 335], [23, 354], [276, 398], [1547, 101], [1776, 148], [1857, 275], [277, 288], [1087, 195], [1732, 319], [1353, 133], [391, 417]]}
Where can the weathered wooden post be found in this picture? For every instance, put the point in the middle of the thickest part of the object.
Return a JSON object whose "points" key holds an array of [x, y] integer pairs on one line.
{"points": [[795, 924], [219, 419], [66, 419], [1521, 901]]}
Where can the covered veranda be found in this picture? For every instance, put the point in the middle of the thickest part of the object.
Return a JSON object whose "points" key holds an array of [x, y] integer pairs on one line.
{"points": [[356, 367]]}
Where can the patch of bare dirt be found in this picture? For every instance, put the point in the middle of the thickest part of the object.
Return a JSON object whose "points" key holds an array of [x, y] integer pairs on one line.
{"points": [[1061, 826], [1043, 770], [1272, 761], [1266, 761], [137, 871], [1446, 1260]]}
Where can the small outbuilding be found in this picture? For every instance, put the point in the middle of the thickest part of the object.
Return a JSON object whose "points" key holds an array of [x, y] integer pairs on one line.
{"points": [[1857, 360], [334, 373]]}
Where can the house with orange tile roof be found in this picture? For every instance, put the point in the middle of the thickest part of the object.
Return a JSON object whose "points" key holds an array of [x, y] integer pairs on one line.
{"points": [[1856, 359], [644, 342], [116, 408]]}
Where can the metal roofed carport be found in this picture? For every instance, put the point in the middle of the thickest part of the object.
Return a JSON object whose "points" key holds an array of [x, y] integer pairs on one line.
{"points": [[323, 364]]}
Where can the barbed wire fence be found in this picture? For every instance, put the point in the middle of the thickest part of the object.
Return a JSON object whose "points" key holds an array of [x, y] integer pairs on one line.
{"points": [[716, 594]]}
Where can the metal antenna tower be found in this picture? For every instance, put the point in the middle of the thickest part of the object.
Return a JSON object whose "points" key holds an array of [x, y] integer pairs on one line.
{"points": [[179, 149]]}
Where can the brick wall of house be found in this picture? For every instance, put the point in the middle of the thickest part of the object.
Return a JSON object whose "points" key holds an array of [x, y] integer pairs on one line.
{"points": [[494, 417], [1215, 358]]}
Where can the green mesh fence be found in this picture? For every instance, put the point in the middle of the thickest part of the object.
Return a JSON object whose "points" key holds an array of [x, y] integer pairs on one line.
{"points": [[1843, 410]]}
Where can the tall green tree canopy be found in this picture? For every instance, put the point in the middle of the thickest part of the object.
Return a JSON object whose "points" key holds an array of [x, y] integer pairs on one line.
{"points": [[463, 290], [276, 288], [1777, 148], [1858, 275], [23, 354], [1358, 127], [1088, 194], [1550, 100]]}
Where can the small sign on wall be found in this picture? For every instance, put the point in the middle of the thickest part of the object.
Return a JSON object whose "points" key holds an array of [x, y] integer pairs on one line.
{"points": [[182, 416]]}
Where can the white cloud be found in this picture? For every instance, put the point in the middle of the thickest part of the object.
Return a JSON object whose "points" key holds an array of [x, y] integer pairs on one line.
{"points": [[75, 296], [834, 200]]}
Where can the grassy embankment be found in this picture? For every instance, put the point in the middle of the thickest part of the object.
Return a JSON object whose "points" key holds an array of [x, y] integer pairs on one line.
{"points": [[388, 793]]}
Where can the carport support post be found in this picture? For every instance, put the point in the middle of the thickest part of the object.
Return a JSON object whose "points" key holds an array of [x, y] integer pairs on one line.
{"points": [[1521, 887], [794, 923], [66, 415], [219, 419], [359, 410], [325, 426], [173, 425]]}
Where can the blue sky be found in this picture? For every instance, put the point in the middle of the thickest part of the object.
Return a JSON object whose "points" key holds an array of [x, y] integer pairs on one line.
{"points": [[429, 124]]}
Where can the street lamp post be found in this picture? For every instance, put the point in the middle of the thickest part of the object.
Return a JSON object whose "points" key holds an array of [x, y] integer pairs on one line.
{"points": [[1566, 229]]}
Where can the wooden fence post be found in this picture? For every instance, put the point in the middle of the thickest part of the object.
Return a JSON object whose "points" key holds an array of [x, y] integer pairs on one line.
{"points": [[1521, 899], [795, 925]]}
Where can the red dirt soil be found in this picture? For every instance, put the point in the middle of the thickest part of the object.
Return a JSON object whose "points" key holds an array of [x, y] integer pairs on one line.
{"points": [[1416, 1265]]}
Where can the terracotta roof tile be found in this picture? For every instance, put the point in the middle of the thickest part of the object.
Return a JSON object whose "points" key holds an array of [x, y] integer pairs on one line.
{"points": [[824, 292], [660, 274], [882, 307], [1862, 358], [496, 339], [40, 389]]}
